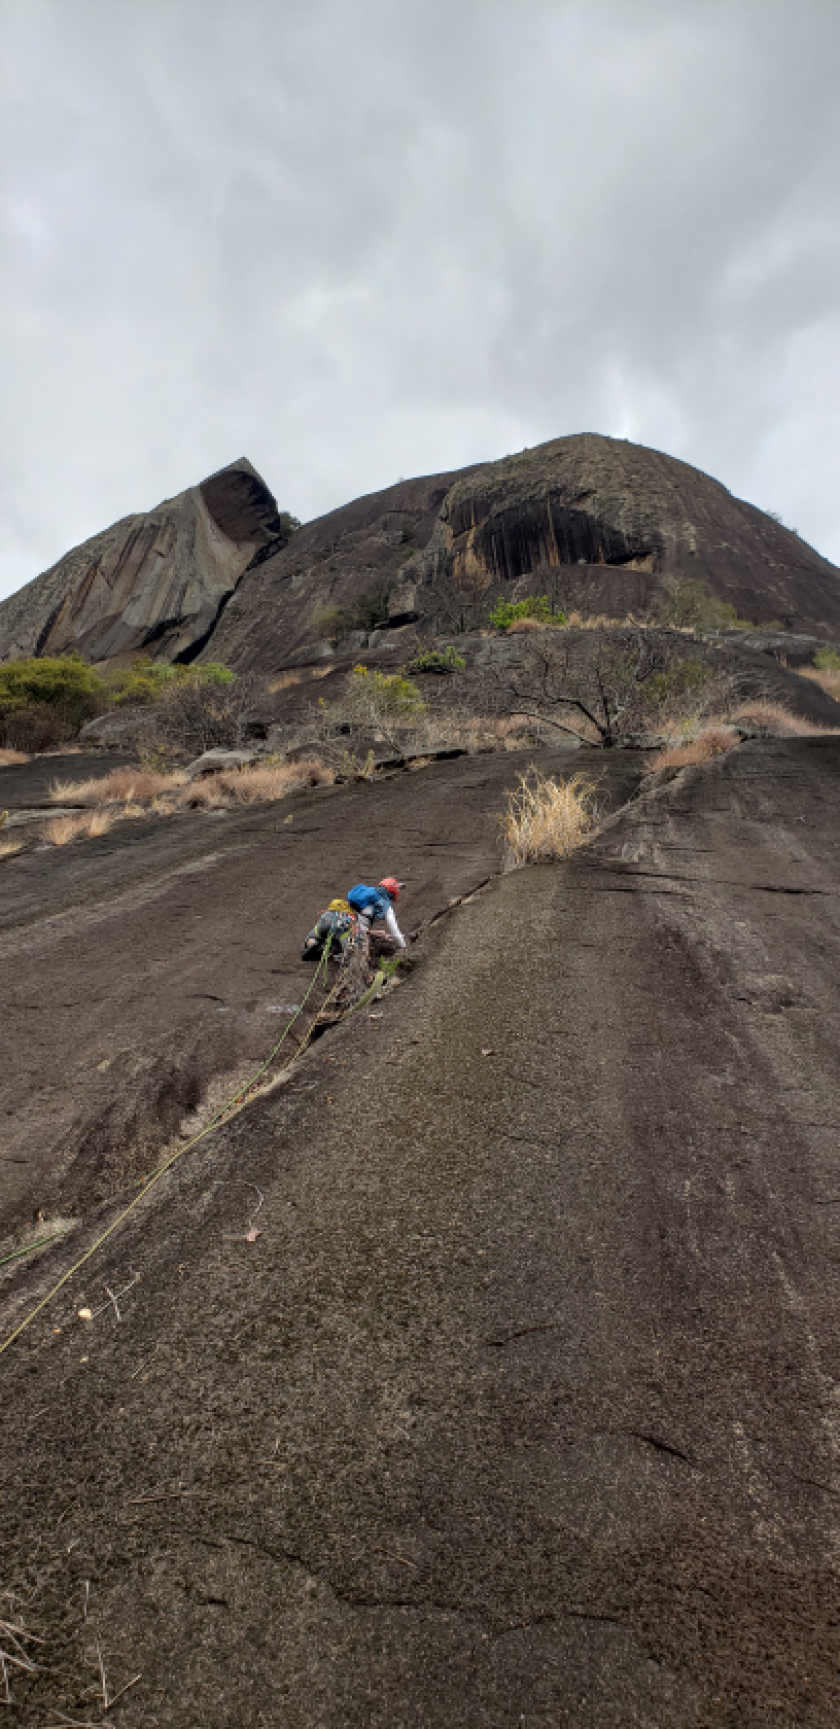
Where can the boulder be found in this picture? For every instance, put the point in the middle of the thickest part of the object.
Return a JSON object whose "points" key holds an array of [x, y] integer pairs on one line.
{"points": [[214, 761], [153, 583]]}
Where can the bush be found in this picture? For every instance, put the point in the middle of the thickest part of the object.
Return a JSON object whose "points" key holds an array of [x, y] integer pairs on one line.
{"points": [[146, 680], [378, 697], [691, 605], [546, 818], [537, 606], [45, 701], [437, 660]]}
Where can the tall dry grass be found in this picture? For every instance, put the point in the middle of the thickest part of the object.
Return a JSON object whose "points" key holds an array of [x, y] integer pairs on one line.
{"points": [[262, 784], [9, 847], [713, 741], [133, 785], [781, 721], [826, 677], [61, 830], [9, 758], [547, 818]]}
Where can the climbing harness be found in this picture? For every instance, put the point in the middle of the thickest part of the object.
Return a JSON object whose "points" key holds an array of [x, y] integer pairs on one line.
{"points": [[226, 1113]]}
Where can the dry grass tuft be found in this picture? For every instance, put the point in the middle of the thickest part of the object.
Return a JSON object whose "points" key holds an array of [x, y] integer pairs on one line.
{"points": [[601, 621], [263, 784], [61, 830], [524, 624], [9, 847], [713, 742], [122, 785], [827, 679], [9, 758], [781, 721], [547, 818], [284, 681]]}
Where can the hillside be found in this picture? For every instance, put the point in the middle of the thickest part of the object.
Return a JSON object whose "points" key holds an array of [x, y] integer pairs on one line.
{"points": [[602, 525], [521, 1406]]}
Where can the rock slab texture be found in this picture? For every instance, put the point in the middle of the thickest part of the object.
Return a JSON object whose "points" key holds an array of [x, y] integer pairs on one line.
{"points": [[523, 1408], [596, 522], [153, 583]]}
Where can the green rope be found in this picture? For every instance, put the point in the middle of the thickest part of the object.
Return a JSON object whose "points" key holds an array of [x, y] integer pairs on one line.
{"points": [[31, 1247]]}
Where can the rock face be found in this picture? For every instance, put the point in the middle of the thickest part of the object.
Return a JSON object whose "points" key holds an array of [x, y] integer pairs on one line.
{"points": [[602, 523], [522, 1409], [595, 522], [153, 583]]}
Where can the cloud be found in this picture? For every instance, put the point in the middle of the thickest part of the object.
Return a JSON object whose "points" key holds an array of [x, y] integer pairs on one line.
{"points": [[363, 239]]}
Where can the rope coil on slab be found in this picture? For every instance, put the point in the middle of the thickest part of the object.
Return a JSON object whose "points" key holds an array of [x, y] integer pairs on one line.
{"points": [[231, 1109]]}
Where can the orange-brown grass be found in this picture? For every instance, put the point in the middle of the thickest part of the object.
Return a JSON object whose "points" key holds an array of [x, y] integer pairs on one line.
{"points": [[61, 830], [599, 621], [521, 624], [284, 681], [262, 784], [138, 785], [9, 847], [713, 742], [8, 758], [827, 679], [782, 721], [547, 818]]}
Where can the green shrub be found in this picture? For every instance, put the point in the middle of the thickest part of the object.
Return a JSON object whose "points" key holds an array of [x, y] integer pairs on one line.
{"points": [[827, 660], [537, 606], [44, 702], [379, 695], [437, 660], [690, 605], [145, 679], [681, 680]]}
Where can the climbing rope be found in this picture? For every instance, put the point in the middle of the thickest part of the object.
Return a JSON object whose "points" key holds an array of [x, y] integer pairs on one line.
{"points": [[228, 1111]]}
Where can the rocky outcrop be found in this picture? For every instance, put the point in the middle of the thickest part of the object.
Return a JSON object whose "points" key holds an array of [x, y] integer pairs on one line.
{"points": [[616, 522], [597, 522], [153, 583]]}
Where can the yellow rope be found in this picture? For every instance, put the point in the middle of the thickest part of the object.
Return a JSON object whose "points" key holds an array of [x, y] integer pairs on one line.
{"points": [[229, 1110]]}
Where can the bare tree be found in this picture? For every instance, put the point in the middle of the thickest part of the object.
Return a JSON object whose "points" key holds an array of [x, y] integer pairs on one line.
{"points": [[612, 681], [197, 716]]}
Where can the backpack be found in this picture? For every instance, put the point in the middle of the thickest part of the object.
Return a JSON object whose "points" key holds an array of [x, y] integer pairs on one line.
{"points": [[332, 931], [361, 896]]}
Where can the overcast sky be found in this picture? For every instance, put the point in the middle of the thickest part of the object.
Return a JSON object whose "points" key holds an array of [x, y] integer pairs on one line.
{"points": [[360, 239]]}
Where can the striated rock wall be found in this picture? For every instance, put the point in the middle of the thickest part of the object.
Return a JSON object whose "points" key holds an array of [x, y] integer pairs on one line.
{"points": [[643, 517], [597, 522], [152, 583]]}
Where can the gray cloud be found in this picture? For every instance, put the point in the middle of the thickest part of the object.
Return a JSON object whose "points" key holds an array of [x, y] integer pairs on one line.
{"points": [[366, 238]]}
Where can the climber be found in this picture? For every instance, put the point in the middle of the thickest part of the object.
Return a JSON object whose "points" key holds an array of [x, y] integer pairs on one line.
{"points": [[372, 904]]}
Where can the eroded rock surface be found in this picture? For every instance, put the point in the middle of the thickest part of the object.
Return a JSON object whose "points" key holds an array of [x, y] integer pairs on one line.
{"points": [[523, 1407], [153, 583], [605, 523]]}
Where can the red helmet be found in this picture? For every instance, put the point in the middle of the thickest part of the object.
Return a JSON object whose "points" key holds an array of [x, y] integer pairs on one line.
{"points": [[392, 887]]}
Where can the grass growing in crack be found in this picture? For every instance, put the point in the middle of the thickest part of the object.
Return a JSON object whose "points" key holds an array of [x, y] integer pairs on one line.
{"points": [[713, 741], [547, 818]]}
